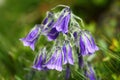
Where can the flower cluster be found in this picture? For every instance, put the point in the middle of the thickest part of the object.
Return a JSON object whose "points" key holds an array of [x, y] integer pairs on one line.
{"points": [[69, 40]]}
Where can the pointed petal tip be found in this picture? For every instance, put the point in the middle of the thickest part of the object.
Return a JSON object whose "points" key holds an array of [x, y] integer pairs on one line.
{"points": [[58, 68], [32, 47], [25, 43], [36, 68], [50, 39], [72, 63], [97, 48]]}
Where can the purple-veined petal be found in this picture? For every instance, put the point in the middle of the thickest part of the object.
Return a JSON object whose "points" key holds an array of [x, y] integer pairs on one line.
{"points": [[53, 34], [65, 54], [87, 44], [67, 76], [39, 62], [58, 65], [89, 73], [55, 62], [33, 34], [83, 49], [50, 63], [93, 44], [70, 56], [45, 21], [62, 23], [32, 37]]}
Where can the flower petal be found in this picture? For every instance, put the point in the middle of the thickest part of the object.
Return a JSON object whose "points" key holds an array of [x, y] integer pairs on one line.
{"points": [[53, 34], [70, 56], [65, 54]]}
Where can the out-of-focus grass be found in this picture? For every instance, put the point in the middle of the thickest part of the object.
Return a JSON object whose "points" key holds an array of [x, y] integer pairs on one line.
{"points": [[17, 17]]}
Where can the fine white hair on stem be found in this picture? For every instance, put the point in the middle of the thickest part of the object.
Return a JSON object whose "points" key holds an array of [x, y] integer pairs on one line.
{"points": [[60, 6], [79, 19]]}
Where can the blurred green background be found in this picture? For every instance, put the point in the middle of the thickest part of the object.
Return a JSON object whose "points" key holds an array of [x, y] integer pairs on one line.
{"points": [[17, 17]]}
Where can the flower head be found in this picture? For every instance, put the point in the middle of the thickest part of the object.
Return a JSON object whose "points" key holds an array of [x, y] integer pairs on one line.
{"points": [[32, 37], [62, 23], [55, 62], [67, 51], [87, 43]]}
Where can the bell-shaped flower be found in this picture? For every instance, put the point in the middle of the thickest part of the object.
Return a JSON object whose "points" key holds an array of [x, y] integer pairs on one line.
{"points": [[53, 34], [67, 76], [87, 43], [67, 52], [48, 18], [32, 37], [55, 62], [47, 23], [63, 20], [39, 62], [48, 30], [89, 73], [80, 61]]}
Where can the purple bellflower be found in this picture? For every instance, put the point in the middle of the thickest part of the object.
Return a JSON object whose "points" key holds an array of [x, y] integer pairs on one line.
{"points": [[39, 62], [67, 76], [80, 57], [62, 22], [53, 34], [47, 23], [90, 73], [48, 30], [87, 43], [80, 61], [32, 37], [55, 62], [67, 51], [48, 18]]}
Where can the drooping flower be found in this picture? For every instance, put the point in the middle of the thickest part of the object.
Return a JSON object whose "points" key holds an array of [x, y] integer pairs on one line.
{"points": [[48, 30], [87, 43], [67, 52], [48, 18], [80, 61], [67, 76], [62, 22], [90, 73], [32, 37], [53, 34], [55, 62], [39, 62]]}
